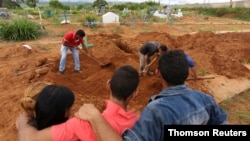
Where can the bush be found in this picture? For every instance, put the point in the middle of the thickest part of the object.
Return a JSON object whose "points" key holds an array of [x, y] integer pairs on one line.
{"points": [[240, 13], [20, 29], [91, 18]]}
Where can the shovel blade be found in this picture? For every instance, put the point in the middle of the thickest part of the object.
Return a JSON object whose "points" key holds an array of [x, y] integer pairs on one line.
{"points": [[105, 64]]}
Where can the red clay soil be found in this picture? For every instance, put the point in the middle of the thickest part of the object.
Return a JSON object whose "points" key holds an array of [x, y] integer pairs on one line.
{"points": [[215, 54]]}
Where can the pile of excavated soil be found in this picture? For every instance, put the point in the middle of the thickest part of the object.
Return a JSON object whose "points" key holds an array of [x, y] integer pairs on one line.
{"points": [[222, 56]]}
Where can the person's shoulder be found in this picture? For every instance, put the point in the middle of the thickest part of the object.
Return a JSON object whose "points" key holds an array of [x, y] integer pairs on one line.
{"points": [[186, 54], [206, 96], [70, 33], [154, 42], [154, 103]]}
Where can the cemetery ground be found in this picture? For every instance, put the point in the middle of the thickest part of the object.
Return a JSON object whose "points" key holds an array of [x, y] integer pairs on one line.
{"points": [[219, 46]]}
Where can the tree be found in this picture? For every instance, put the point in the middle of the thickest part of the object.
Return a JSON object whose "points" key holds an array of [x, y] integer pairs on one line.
{"points": [[56, 4], [32, 3], [1, 3], [9, 3], [231, 3], [99, 3]]}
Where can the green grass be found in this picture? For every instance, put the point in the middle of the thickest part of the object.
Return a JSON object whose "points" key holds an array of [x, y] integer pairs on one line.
{"points": [[238, 108], [246, 61], [203, 73]]}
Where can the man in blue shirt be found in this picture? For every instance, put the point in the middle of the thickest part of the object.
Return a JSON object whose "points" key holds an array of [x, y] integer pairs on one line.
{"points": [[191, 65], [176, 104]]}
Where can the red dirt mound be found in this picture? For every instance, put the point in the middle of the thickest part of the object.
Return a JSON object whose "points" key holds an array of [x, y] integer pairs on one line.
{"points": [[215, 54]]}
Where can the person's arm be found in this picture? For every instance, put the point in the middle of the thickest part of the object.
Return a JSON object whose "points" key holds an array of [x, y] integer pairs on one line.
{"points": [[217, 116], [67, 43], [101, 127], [146, 57], [85, 48], [28, 133], [146, 67], [191, 65]]}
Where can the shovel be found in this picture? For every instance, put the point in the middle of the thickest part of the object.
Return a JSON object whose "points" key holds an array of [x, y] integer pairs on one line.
{"points": [[202, 78], [22, 72], [147, 67], [100, 63]]}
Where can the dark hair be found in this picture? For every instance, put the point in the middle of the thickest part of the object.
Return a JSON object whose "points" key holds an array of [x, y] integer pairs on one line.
{"points": [[80, 32], [173, 67], [124, 82], [52, 104], [163, 48]]}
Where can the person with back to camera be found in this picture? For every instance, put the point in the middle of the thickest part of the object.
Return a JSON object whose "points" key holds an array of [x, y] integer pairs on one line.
{"points": [[53, 105], [176, 104], [146, 51], [30, 97], [123, 87], [47, 104], [71, 41]]}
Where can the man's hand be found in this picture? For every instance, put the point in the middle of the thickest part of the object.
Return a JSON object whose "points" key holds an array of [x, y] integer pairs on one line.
{"points": [[87, 112], [102, 129], [79, 47]]}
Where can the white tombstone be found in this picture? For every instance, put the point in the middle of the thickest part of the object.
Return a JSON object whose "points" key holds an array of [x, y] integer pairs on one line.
{"points": [[179, 14], [160, 15], [110, 18]]}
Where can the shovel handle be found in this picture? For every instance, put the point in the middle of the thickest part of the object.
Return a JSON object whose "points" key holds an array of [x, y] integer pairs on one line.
{"points": [[93, 58], [145, 70], [32, 69], [201, 78]]}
